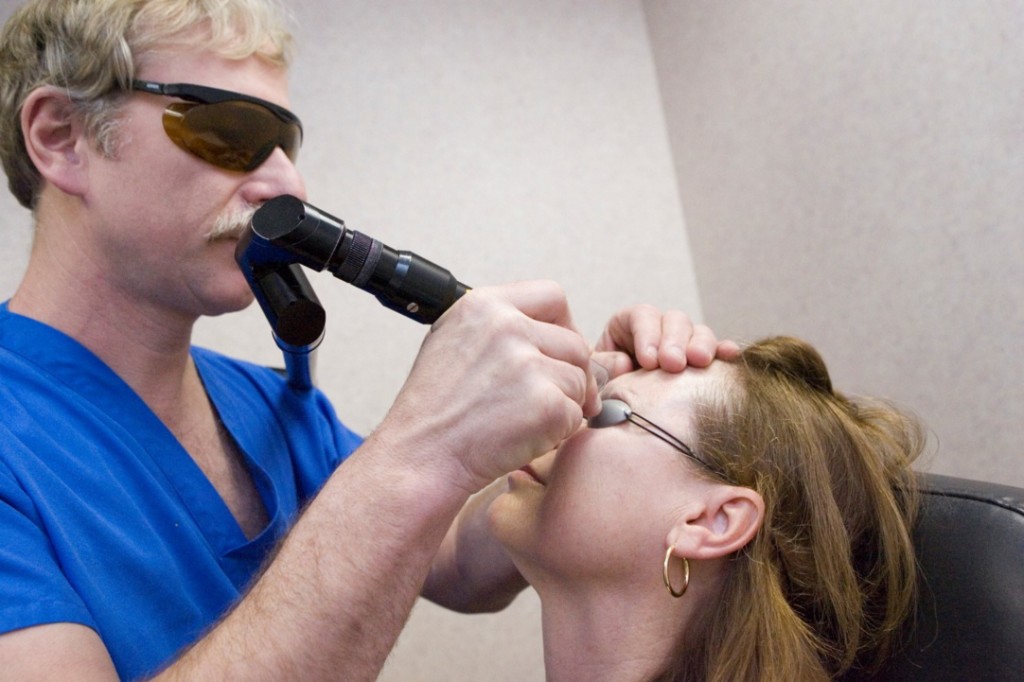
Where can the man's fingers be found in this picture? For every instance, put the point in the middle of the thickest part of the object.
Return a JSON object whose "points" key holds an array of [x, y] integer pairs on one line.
{"points": [[677, 339], [654, 339], [540, 300]]}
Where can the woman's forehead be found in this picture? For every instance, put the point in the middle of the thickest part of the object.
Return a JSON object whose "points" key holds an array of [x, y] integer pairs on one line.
{"points": [[652, 392], [652, 384]]}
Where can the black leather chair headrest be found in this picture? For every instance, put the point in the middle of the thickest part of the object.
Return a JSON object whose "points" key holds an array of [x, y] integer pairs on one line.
{"points": [[970, 619]]}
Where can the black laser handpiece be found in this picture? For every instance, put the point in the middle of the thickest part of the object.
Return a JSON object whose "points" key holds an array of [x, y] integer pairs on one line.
{"points": [[401, 280]]}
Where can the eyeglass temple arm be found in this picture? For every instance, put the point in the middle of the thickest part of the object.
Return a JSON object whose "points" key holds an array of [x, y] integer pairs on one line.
{"points": [[655, 430]]}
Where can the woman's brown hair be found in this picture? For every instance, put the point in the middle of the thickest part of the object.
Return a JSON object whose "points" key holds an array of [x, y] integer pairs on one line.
{"points": [[830, 577]]}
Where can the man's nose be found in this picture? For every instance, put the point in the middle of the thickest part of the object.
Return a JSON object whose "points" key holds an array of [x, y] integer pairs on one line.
{"points": [[276, 176]]}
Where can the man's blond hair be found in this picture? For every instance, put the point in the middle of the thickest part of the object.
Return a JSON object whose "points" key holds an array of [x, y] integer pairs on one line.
{"points": [[92, 49]]}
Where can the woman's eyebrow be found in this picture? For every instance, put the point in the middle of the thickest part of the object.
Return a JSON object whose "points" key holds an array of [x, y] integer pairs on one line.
{"points": [[618, 393]]}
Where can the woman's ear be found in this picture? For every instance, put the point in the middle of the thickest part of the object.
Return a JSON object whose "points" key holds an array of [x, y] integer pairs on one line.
{"points": [[725, 520], [55, 139]]}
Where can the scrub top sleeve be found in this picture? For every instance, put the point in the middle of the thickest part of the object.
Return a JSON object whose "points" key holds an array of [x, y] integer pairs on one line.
{"points": [[33, 590]]}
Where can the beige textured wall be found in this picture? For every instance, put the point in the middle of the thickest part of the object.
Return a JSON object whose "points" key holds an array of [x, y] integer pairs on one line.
{"points": [[853, 172], [502, 140], [850, 172]]}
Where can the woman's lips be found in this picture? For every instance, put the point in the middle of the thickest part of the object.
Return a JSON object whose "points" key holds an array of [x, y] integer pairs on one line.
{"points": [[529, 470]]}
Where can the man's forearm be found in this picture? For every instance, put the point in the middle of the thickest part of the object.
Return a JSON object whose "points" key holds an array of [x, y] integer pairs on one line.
{"points": [[332, 602], [472, 572]]}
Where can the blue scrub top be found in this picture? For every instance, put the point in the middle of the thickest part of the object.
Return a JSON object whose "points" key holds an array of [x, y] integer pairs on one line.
{"points": [[107, 521]]}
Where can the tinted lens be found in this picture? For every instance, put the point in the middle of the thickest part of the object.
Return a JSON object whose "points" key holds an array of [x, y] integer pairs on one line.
{"points": [[237, 136]]}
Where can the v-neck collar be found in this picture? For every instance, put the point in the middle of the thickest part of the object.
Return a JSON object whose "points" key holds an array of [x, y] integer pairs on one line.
{"points": [[81, 371]]}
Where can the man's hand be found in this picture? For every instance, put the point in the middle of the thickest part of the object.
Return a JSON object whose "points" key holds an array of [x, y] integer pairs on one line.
{"points": [[501, 378], [642, 336]]}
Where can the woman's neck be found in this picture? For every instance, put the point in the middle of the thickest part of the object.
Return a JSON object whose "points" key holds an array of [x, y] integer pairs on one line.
{"points": [[607, 635]]}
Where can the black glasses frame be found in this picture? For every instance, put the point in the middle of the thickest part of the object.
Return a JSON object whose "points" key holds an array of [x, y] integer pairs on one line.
{"points": [[202, 94]]}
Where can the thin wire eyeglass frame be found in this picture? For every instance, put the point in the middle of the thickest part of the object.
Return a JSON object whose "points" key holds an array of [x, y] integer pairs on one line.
{"points": [[614, 411]]}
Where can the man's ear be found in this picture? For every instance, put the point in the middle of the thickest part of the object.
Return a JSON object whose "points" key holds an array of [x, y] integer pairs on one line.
{"points": [[55, 139], [723, 522]]}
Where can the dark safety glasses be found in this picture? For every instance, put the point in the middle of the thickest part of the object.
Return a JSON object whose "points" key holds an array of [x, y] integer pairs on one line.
{"points": [[228, 129]]}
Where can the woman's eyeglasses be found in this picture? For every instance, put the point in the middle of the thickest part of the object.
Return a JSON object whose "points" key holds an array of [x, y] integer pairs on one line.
{"points": [[615, 411], [228, 129]]}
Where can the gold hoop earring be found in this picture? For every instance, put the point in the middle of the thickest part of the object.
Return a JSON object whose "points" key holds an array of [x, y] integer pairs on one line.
{"points": [[668, 581]]}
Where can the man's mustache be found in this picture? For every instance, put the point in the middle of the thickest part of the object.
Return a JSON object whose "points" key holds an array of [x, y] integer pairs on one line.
{"points": [[231, 226]]}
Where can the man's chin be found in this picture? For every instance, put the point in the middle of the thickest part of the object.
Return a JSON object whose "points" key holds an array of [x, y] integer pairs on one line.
{"points": [[235, 302]]}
